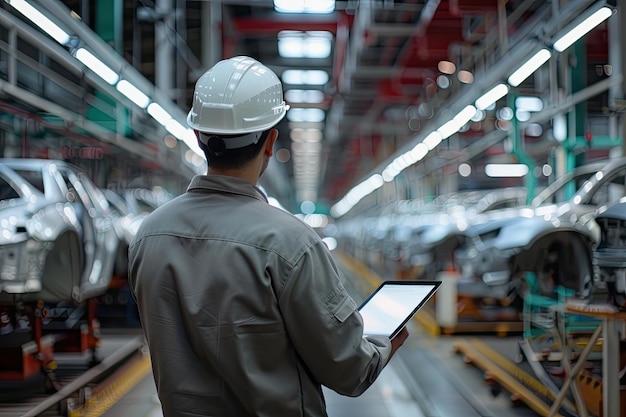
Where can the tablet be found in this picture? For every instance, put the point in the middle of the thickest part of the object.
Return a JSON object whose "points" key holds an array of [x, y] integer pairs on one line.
{"points": [[392, 305]]}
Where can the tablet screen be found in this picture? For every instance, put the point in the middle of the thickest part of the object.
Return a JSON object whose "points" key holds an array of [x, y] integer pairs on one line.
{"points": [[392, 305]]}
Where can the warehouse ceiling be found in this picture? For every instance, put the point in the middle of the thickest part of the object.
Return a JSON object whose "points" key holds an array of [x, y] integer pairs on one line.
{"points": [[383, 72], [385, 79], [394, 68]]}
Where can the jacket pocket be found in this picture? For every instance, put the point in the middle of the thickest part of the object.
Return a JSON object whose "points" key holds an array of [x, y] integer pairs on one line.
{"points": [[345, 309]]}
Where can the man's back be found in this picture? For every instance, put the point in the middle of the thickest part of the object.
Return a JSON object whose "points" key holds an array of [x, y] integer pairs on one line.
{"points": [[243, 309]]}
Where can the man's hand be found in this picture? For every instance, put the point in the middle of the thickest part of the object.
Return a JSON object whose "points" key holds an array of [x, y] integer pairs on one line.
{"points": [[398, 341]]}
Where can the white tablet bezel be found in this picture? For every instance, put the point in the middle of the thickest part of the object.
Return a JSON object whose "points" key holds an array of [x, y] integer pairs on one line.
{"points": [[432, 288]]}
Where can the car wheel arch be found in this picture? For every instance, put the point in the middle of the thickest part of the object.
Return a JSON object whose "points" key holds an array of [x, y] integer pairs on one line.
{"points": [[63, 268], [561, 258]]}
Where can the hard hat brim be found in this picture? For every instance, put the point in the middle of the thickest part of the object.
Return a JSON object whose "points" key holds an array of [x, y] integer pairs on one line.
{"points": [[238, 131]]}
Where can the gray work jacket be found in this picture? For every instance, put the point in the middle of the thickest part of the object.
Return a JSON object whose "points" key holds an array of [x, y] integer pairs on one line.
{"points": [[243, 308]]}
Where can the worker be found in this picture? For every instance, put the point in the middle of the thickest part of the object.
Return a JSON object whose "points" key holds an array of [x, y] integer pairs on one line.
{"points": [[242, 305]]}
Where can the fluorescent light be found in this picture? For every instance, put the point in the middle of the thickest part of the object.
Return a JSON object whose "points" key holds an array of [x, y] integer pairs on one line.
{"points": [[133, 93], [559, 127], [310, 115], [190, 139], [529, 67], [452, 126], [305, 135], [529, 103], [176, 129], [419, 151], [185, 134], [304, 6], [582, 29], [506, 170], [97, 66], [491, 96], [465, 115], [304, 96], [307, 77], [40, 20], [432, 140], [365, 188], [158, 113], [296, 44]]}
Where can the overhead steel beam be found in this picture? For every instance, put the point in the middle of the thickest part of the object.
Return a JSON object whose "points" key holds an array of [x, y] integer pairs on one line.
{"points": [[492, 75]]}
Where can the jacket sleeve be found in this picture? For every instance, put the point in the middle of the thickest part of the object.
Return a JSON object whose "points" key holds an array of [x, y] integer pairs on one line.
{"points": [[326, 328]]}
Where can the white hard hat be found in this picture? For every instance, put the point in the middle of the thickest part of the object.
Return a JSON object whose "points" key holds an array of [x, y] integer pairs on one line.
{"points": [[237, 96]]}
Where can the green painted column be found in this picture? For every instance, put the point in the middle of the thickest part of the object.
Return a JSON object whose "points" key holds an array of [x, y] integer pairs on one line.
{"points": [[576, 61], [579, 82], [517, 149], [108, 25]]}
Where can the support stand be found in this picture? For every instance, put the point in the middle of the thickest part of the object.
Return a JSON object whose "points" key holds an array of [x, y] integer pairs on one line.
{"points": [[610, 356]]}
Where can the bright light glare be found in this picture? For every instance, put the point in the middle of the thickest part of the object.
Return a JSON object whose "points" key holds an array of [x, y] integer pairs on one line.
{"points": [[305, 135], [559, 127], [506, 170], [305, 77], [452, 126], [306, 115], [465, 170], [40, 20], [304, 96], [546, 170], [356, 194], [294, 44], [491, 96], [465, 77], [158, 113], [528, 103], [316, 220], [529, 67], [275, 203], [175, 128], [307, 207], [133, 93], [331, 242], [97, 66], [404, 161], [432, 140], [446, 67], [582, 29], [304, 6]]}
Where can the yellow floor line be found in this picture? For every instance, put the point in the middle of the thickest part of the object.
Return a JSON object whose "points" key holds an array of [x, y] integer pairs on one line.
{"points": [[108, 397], [360, 269], [423, 317]]}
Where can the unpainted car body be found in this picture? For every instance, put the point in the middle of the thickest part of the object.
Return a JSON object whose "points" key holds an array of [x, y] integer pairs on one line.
{"points": [[435, 235], [552, 238], [609, 256], [131, 206], [57, 241], [416, 238]]}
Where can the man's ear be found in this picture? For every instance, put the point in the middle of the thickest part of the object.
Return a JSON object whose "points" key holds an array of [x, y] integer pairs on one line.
{"points": [[270, 142]]}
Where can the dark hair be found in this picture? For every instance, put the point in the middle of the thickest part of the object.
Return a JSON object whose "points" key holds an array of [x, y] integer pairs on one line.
{"points": [[232, 158]]}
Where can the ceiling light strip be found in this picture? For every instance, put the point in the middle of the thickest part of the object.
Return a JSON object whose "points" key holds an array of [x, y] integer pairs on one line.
{"points": [[515, 79]]}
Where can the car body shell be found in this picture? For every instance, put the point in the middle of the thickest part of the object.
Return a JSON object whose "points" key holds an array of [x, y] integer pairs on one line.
{"points": [[57, 241], [551, 238], [416, 238], [131, 206], [609, 255], [434, 236]]}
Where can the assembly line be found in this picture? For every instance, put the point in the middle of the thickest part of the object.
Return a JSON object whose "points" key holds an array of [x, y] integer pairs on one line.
{"points": [[198, 200]]}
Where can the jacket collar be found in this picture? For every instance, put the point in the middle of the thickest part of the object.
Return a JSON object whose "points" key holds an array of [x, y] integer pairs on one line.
{"points": [[225, 184]]}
